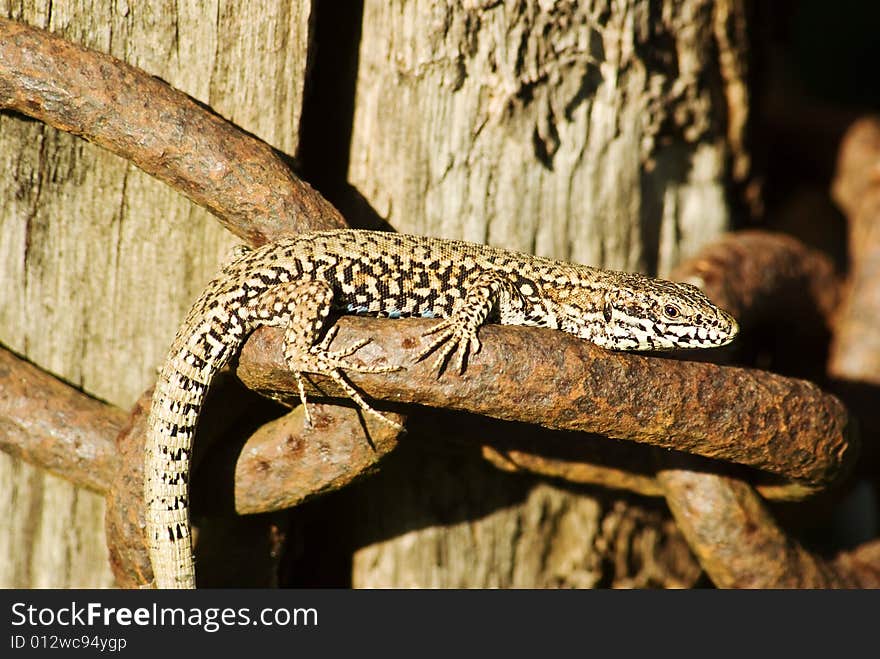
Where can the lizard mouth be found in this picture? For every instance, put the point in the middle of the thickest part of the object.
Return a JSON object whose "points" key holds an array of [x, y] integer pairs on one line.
{"points": [[677, 336], [729, 328]]}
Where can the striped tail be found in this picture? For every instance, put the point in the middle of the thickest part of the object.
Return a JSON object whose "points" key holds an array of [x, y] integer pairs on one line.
{"points": [[177, 402]]}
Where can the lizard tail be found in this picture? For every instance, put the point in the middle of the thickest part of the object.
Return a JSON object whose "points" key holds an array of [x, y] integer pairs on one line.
{"points": [[211, 333], [171, 424], [177, 402]]}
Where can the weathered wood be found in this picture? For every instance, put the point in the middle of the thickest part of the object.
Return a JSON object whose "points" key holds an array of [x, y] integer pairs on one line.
{"points": [[605, 133], [99, 261]]}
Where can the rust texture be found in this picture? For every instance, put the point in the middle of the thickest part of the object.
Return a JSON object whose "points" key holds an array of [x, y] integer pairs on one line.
{"points": [[124, 517], [53, 425], [781, 425], [284, 463], [237, 177], [740, 545]]}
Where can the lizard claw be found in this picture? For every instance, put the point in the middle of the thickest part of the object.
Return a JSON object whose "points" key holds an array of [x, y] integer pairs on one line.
{"points": [[452, 338], [319, 359]]}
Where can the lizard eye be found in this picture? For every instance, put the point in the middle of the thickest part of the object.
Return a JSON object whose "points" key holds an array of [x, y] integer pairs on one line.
{"points": [[671, 311], [606, 312]]}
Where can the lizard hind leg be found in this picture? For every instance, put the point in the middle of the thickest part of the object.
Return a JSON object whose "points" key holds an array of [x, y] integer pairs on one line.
{"points": [[303, 310]]}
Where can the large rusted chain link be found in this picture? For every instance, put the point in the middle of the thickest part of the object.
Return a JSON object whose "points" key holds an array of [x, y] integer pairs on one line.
{"points": [[49, 423], [98, 446], [783, 426], [237, 177], [740, 545]]}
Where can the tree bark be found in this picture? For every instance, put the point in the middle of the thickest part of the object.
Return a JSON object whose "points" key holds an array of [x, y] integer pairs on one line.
{"points": [[608, 133], [100, 261]]}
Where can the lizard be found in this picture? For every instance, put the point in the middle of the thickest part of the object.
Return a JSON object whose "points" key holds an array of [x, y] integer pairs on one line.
{"points": [[301, 283]]}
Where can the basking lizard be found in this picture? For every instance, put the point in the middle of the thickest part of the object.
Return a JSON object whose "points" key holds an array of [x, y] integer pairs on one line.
{"points": [[298, 283]]}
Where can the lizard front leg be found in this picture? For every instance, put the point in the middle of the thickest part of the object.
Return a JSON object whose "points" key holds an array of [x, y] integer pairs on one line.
{"points": [[489, 291], [303, 310]]}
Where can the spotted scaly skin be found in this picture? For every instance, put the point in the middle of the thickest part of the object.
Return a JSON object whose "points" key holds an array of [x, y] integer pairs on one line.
{"points": [[299, 283]]}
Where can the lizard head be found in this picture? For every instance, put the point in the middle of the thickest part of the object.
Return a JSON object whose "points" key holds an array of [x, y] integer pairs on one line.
{"points": [[643, 313], [653, 314]]}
